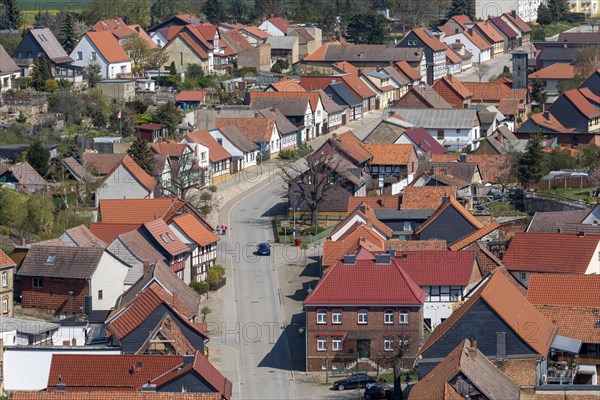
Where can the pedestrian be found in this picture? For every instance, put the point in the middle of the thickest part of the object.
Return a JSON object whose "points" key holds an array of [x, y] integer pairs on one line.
{"points": [[223, 227], [218, 230]]}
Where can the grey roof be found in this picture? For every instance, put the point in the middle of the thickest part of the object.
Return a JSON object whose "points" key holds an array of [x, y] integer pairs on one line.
{"points": [[548, 221], [282, 42], [384, 214], [555, 53], [395, 75], [284, 125], [384, 132], [81, 236], [377, 74], [137, 244], [290, 107], [345, 94], [26, 326], [77, 170], [67, 262], [505, 132], [486, 117], [238, 139], [24, 173], [577, 228], [7, 64], [437, 118], [508, 146], [330, 106], [51, 46], [303, 33], [463, 171], [371, 53]]}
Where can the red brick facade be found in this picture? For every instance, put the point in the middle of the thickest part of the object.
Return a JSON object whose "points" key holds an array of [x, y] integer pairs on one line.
{"points": [[54, 294], [374, 330]]}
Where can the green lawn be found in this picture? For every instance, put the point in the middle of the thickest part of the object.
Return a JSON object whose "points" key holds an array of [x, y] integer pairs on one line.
{"points": [[576, 194], [546, 31]]}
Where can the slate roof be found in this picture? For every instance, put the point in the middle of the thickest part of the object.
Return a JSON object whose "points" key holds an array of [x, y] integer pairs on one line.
{"points": [[24, 173], [282, 42], [507, 301], [366, 283], [108, 46], [422, 138], [304, 34], [284, 126], [193, 229], [564, 290], [425, 197], [436, 118], [548, 221], [7, 65], [468, 361], [165, 238], [389, 153], [345, 94], [291, 106], [578, 37], [107, 232], [216, 152], [451, 202], [551, 252], [557, 53], [238, 139], [437, 268], [330, 52], [387, 131], [256, 129], [51, 46], [395, 75], [61, 261]]}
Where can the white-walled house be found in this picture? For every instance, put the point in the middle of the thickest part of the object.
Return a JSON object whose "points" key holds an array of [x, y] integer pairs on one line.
{"points": [[219, 159], [127, 181], [242, 150], [480, 49], [262, 131], [104, 49], [275, 26], [9, 70], [454, 129]]}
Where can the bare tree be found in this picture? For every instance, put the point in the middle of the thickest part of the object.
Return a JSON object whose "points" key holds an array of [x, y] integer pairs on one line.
{"points": [[481, 70], [309, 180], [185, 176], [587, 60]]}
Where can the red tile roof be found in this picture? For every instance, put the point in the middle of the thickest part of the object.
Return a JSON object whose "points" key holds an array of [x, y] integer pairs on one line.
{"points": [[344, 66], [91, 372], [564, 290], [366, 283], [165, 237], [437, 268], [375, 202], [358, 86], [101, 164], [425, 197], [287, 85], [216, 152], [5, 260], [359, 236], [405, 68], [195, 230], [389, 153], [368, 215], [581, 103], [477, 40], [555, 71], [349, 144], [494, 91], [522, 25], [548, 121], [551, 252], [187, 39], [108, 232], [574, 322], [428, 39], [416, 245], [108, 46], [280, 23], [452, 56], [505, 299], [138, 211], [145, 179], [490, 32], [116, 26], [256, 129], [191, 95], [462, 20], [254, 31], [65, 395], [457, 86]]}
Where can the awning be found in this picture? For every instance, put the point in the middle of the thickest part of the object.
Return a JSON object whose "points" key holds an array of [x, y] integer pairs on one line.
{"points": [[566, 344], [359, 335]]}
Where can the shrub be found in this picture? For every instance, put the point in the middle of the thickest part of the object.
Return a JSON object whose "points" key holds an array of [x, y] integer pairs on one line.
{"points": [[212, 188], [313, 230], [288, 154], [51, 85]]}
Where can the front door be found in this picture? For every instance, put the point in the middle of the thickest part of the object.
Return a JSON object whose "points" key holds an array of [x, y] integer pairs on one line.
{"points": [[363, 347]]}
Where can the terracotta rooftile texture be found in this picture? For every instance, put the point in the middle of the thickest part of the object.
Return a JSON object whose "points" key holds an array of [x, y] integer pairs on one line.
{"points": [[416, 245], [144, 179], [5, 260], [191, 95], [389, 153], [108, 46], [555, 71], [255, 129], [165, 237], [437, 268], [425, 197], [195, 230], [576, 97], [474, 237], [138, 211], [547, 121], [65, 395], [351, 146], [108, 232], [428, 39], [564, 290], [216, 152], [551, 252], [574, 322], [375, 202]]}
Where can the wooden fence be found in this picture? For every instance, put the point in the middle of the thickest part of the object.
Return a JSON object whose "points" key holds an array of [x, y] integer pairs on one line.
{"points": [[572, 182]]}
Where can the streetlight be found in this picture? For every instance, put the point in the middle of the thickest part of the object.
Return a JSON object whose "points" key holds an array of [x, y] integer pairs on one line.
{"points": [[71, 302], [294, 211]]}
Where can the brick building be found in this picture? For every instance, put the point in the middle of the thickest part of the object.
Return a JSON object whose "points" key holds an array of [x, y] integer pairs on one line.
{"points": [[363, 313], [7, 270]]}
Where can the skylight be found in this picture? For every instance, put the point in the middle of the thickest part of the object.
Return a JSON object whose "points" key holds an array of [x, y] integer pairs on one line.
{"points": [[163, 239], [51, 258], [170, 236]]}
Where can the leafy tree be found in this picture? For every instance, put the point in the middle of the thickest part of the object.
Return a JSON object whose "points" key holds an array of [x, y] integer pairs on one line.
{"points": [[68, 103], [589, 157], [558, 9], [95, 107], [139, 51], [40, 213], [173, 75], [21, 118], [133, 11], [460, 7], [40, 73], [280, 66], [11, 18], [531, 165], [238, 9], [163, 9], [538, 94], [38, 156], [91, 73], [569, 84], [594, 176], [265, 8], [169, 115], [156, 59], [213, 11], [367, 27], [544, 17], [205, 311], [51, 85], [12, 212], [68, 36], [142, 154], [559, 159]]}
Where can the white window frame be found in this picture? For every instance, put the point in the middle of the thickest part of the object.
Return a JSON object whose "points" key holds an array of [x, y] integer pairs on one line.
{"points": [[388, 317], [93, 56], [336, 317], [523, 276], [363, 317], [321, 317], [403, 319], [5, 305], [388, 344], [79, 55], [321, 343], [4, 279], [336, 343]]}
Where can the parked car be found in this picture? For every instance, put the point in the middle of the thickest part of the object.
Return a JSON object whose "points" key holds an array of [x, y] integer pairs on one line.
{"points": [[353, 382], [379, 391], [263, 249]]}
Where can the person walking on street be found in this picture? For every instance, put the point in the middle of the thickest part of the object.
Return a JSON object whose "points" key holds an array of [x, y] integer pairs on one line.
{"points": [[223, 228]]}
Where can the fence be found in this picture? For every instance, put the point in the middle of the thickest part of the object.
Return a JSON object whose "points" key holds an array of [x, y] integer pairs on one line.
{"points": [[348, 371], [288, 238], [572, 182]]}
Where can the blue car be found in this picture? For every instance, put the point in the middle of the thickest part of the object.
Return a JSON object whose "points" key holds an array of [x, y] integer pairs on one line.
{"points": [[263, 249]]}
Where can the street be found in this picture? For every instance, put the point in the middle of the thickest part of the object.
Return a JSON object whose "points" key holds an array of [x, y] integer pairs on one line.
{"points": [[495, 67]]}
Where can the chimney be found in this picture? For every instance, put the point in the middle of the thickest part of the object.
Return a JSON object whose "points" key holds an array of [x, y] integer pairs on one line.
{"points": [[22, 242], [146, 267], [474, 343], [581, 234], [463, 158], [513, 13], [60, 385], [547, 115]]}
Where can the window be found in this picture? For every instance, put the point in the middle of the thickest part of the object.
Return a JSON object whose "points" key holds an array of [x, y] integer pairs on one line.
{"points": [[523, 276], [50, 259], [4, 279], [388, 344], [404, 316], [123, 69], [99, 294], [336, 317], [363, 316], [440, 134], [388, 317], [5, 305], [93, 56], [406, 226], [458, 131], [185, 388], [37, 283], [321, 343], [321, 317], [455, 294], [324, 366], [336, 343], [445, 293], [180, 258], [80, 55]]}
